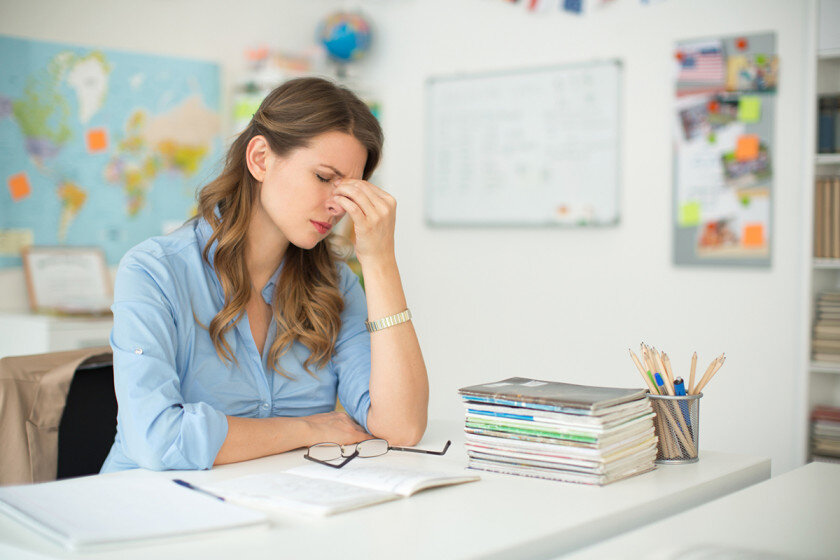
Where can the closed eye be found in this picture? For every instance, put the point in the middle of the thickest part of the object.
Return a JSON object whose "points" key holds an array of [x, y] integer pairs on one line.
{"points": [[322, 179]]}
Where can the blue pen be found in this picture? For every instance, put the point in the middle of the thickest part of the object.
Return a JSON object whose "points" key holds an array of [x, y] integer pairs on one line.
{"points": [[660, 384], [679, 389], [186, 484]]}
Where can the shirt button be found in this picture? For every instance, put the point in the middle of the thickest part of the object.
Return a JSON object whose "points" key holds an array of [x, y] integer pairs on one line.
{"points": [[138, 351], [265, 406]]}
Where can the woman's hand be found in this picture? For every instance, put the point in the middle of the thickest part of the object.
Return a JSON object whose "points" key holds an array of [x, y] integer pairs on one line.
{"points": [[374, 214], [336, 427]]}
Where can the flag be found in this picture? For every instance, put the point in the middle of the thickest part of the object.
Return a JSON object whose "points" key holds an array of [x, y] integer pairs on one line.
{"points": [[701, 63]]}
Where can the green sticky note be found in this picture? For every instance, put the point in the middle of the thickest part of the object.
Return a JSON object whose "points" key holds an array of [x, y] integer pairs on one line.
{"points": [[749, 108], [689, 214]]}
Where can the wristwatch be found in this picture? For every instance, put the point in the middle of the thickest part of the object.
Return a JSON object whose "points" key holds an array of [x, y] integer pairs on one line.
{"points": [[390, 321]]}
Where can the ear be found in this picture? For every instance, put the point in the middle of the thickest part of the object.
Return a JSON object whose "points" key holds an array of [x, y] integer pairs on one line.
{"points": [[256, 154]]}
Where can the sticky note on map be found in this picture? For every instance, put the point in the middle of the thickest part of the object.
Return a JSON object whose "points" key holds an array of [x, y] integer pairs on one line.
{"points": [[749, 109], [97, 140], [19, 186], [689, 214], [753, 235], [747, 147]]}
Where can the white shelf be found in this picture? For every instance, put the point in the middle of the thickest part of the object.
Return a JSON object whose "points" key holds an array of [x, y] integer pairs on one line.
{"points": [[827, 264], [825, 367], [829, 54], [827, 159]]}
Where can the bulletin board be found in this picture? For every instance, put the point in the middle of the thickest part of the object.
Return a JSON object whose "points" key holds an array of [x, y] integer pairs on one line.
{"points": [[524, 148], [723, 150]]}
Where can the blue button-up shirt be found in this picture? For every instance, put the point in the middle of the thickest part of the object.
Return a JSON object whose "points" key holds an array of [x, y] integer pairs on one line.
{"points": [[174, 391]]}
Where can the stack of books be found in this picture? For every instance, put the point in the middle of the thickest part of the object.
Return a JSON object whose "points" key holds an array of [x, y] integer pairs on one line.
{"points": [[826, 340], [559, 431], [827, 217], [825, 434]]}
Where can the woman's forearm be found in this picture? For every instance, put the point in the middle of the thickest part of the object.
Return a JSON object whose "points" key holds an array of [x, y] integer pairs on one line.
{"points": [[399, 386], [250, 438]]}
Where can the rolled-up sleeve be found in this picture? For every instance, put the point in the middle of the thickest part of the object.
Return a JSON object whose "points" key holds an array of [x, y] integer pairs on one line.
{"points": [[351, 361], [158, 429]]}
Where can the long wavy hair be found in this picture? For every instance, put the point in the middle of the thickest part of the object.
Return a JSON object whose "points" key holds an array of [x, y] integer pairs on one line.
{"points": [[307, 302]]}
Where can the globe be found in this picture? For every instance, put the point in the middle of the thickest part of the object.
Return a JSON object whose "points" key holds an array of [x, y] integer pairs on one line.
{"points": [[345, 35]]}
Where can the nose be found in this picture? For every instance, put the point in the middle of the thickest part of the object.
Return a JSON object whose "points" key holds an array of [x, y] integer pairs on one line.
{"points": [[334, 209]]}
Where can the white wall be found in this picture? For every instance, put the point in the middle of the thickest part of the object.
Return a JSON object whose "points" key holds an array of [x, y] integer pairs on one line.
{"points": [[549, 303]]}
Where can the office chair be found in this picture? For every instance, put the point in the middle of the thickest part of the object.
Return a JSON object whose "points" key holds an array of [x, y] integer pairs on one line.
{"points": [[89, 422]]}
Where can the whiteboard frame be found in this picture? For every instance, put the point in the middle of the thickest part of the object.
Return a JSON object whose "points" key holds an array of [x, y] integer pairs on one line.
{"points": [[430, 81]]}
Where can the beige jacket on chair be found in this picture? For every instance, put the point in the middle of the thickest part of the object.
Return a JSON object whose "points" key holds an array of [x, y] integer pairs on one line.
{"points": [[33, 392]]}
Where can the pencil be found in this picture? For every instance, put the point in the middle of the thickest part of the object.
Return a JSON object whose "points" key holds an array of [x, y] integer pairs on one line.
{"points": [[667, 363], [644, 374], [669, 383], [690, 387], [707, 375], [714, 371]]}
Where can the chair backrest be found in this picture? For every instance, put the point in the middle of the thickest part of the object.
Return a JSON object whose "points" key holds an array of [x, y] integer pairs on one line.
{"points": [[89, 422]]}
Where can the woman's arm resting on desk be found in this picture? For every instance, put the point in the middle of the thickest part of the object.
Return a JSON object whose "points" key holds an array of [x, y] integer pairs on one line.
{"points": [[399, 386], [250, 438]]}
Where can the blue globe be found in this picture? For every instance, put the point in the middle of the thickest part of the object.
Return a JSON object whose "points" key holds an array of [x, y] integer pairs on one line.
{"points": [[345, 35]]}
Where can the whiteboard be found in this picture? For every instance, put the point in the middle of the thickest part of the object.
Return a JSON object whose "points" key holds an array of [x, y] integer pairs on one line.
{"points": [[529, 147]]}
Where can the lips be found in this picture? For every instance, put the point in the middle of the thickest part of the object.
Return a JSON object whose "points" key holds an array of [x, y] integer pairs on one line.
{"points": [[322, 227]]}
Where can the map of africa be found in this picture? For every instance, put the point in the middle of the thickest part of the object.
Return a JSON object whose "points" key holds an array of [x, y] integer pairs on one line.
{"points": [[100, 148]]}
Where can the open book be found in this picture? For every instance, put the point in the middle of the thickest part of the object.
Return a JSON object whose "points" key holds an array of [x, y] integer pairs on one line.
{"points": [[321, 490]]}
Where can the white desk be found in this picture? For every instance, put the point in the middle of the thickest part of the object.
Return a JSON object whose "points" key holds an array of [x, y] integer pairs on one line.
{"points": [[792, 515], [498, 517]]}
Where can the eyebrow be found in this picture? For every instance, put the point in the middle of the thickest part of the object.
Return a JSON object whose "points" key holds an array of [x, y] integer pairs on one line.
{"points": [[336, 171]]}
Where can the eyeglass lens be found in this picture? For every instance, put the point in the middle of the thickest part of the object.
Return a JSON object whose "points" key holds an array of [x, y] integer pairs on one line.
{"points": [[332, 451], [372, 447]]}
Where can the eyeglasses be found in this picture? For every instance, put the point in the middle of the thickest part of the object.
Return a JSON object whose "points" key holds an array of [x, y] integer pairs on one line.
{"points": [[324, 452]]}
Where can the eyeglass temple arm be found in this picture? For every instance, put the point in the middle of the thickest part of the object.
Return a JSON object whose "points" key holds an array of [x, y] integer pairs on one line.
{"points": [[413, 450]]}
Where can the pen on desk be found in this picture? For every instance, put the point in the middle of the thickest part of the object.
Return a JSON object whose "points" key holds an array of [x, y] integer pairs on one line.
{"points": [[186, 484]]}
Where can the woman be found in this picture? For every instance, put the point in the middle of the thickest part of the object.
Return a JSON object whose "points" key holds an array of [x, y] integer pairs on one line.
{"points": [[234, 335]]}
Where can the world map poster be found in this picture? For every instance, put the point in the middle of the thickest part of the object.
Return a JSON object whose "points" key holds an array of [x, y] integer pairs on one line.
{"points": [[99, 147]]}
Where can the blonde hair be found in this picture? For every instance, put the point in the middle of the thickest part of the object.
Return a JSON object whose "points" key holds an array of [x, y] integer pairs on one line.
{"points": [[307, 303]]}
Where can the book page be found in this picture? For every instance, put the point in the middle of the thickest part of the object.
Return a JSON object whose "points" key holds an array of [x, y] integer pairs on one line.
{"points": [[297, 493], [86, 511], [397, 480]]}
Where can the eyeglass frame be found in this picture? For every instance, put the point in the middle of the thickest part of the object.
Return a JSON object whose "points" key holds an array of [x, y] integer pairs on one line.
{"points": [[348, 458]]}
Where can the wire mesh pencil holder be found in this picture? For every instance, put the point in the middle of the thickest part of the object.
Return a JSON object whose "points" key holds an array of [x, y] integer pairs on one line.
{"points": [[677, 425]]}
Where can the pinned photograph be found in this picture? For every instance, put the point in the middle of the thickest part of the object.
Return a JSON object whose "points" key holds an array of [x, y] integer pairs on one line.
{"points": [[756, 72]]}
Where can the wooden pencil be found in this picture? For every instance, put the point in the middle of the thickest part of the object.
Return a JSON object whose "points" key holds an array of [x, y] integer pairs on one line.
{"points": [[644, 374], [703, 383], [667, 363], [705, 375], [669, 383], [690, 388]]}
